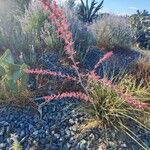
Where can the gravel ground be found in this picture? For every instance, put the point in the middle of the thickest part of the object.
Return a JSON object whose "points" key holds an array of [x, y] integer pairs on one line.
{"points": [[56, 125], [58, 129]]}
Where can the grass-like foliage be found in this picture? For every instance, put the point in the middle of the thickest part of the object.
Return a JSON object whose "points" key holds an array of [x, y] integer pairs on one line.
{"points": [[141, 71], [113, 111]]}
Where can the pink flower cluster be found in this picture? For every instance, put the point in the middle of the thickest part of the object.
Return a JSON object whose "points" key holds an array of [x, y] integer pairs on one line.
{"points": [[77, 95], [46, 5], [61, 24], [51, 73]]}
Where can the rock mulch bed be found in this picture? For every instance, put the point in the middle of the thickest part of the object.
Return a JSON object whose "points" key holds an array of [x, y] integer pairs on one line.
{"points": [[58, 129]]}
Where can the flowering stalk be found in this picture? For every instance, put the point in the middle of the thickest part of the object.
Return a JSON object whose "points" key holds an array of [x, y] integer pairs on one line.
{"points": [[51, 73], [78, 95], [62, 28], [105, 57], [63, 33]]}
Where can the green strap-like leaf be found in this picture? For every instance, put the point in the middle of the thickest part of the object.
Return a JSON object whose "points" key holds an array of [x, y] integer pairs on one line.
{"points": [[2, 71], [7, 57], [97, 9]]}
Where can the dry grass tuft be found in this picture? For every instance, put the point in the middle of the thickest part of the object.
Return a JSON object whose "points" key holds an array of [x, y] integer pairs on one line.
{"points": [[141, 71]]}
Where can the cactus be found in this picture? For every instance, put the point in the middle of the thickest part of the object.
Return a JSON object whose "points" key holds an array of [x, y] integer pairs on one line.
{"points": [[12, 75], [88, 14], [141, 22]]}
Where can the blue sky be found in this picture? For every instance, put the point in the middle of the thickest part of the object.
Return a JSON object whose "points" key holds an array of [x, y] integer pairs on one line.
{"points": [[121, 7], [125, 6]]}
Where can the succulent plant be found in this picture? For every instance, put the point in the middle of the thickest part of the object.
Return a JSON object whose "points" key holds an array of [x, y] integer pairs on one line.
{"points": [[89, 13], [12, 75], [141, 22]]}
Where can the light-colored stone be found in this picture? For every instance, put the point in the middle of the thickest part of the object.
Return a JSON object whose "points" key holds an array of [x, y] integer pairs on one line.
{"points": [[71, 121], [68, 145], [102, 146], [57, 136], [35, 132]]}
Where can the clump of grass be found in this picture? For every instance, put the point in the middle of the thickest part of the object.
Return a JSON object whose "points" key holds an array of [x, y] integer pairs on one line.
{"points": [[129, 84], [113, 111]]}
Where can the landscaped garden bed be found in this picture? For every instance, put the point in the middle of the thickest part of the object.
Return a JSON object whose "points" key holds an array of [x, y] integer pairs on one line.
{"points": [[74, 82]]}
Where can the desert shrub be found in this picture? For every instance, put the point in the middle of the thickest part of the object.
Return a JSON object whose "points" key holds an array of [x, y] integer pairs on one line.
{"points": [[23, 4], [141, 23], [11, 35], [113, 32], [70, 4], [36, 23], [141, 71]]}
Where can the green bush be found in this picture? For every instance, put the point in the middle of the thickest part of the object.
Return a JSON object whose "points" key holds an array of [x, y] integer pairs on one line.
{"points": [[113, 32]]}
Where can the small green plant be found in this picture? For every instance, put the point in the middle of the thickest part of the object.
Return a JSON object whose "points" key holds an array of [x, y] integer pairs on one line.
{"points": [[13, 78], [89, 13], [16, 144]]}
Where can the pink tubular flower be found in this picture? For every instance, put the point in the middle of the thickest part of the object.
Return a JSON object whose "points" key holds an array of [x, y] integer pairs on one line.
{"points": [[46, 5], [51, 73], [62, 26], [78, 95], [105, 57]]}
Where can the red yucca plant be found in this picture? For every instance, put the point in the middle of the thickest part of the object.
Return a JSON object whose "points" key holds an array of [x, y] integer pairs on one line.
{"points": [[110, 103], [62, 29]]}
